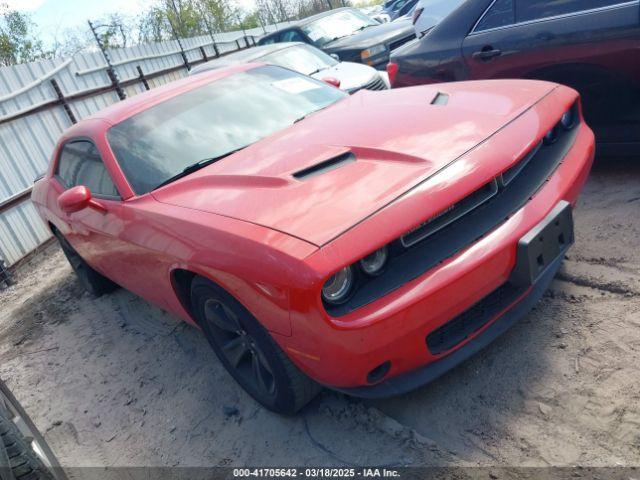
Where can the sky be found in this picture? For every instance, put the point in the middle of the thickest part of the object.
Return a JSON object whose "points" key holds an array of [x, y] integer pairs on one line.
{"points": [[54, 16]]}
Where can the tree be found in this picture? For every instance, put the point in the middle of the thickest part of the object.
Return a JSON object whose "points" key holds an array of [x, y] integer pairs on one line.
{"points": [[70, 41], [153, 26], [17, 41]]}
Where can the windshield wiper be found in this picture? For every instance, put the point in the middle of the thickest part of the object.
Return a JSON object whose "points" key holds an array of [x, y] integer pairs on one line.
{"points": [[196, 166], [299, 119]]}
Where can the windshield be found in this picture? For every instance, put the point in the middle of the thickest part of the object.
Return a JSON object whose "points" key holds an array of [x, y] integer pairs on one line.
{"points": [[338, 25], [210, 121], [301, 58]]}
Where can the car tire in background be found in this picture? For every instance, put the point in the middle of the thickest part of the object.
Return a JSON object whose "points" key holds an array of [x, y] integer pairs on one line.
{"points": [[248, 352], [24, 453], [93, 282]]}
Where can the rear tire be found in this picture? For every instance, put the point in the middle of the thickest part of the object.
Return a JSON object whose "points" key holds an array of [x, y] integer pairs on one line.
{"points": [[248, 352], [17, 446], [93, 282]]}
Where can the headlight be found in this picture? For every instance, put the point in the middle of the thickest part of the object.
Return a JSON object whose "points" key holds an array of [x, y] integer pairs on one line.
{"points": [[373, 264], [372, 52], [336, 290], [568, 119]]}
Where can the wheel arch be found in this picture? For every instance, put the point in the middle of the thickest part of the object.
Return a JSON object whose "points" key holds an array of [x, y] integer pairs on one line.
{"points": [[181, 279]]}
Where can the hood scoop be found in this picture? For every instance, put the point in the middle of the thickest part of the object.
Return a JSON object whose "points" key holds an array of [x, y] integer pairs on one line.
{"points": [[325, 166], [440, 99]]}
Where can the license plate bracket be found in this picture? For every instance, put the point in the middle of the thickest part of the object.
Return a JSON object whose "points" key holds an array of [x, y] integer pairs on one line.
{"points": [[544, 243]]}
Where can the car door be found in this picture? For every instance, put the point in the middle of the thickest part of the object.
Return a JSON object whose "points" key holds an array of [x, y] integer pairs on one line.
{"points": [[93, 234], [590, 45]]}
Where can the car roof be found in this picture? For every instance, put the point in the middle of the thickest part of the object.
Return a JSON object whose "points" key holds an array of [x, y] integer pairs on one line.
{"points": [[249, 55], [125, 109], [312, 18]]}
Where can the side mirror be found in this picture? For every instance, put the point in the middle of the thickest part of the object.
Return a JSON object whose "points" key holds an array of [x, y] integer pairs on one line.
{"points": [[332, 81], [78, 198], [334, 56]]}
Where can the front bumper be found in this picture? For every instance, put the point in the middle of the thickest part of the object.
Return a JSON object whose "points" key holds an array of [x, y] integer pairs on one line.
{"points": [[497, 325]]}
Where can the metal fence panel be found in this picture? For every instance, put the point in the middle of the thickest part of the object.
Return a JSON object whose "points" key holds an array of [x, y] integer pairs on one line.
{"points": [[26, 92], [21, 232]]}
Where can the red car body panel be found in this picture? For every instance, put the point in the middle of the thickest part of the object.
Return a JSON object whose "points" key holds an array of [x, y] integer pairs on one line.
{"points": [[272, 241], [399, 140]]}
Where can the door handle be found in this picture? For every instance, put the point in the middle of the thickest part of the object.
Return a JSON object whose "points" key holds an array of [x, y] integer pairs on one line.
{"points": [[487, 53]]}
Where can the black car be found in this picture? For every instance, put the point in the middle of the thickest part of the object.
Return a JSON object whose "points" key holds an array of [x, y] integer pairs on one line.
{"points": [[400, 8], [348, 34], [590, 45]]}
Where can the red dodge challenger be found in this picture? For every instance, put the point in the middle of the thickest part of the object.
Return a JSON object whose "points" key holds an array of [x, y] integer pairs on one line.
{"points": [[366, 243]]}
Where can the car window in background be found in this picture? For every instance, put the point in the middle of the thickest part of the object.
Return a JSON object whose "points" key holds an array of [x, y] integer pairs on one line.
{"points": [[398, 5], [338, 25], [213, 120], [291, 36], [406, 8], [301, 58], [268, 41], [429, 13], [527, 10], [501, 14], [440, 9], [80, 164]]}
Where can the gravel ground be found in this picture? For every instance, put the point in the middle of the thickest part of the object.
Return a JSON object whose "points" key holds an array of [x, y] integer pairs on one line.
{"points": [[115, 381]]}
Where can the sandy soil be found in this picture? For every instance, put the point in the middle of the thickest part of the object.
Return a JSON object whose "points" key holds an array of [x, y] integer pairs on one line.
{"points": [[115, 381]]}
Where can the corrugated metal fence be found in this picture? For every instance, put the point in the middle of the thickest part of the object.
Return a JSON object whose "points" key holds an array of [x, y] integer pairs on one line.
{"points": [[39, 100]]}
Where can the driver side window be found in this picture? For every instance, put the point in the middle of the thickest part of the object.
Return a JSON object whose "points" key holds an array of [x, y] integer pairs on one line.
{"points": [[80, 164]]}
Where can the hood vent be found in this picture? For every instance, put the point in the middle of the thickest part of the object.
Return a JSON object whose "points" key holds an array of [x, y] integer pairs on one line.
{"points": [[325, 166], [440, 99]]}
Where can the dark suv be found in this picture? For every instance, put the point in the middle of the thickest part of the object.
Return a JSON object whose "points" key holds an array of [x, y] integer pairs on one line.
{"points": [[349, 35], [590, 45]]}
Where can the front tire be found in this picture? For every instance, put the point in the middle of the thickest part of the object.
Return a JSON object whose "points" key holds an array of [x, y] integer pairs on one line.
{"points": [[93, 282], [248, 352]]}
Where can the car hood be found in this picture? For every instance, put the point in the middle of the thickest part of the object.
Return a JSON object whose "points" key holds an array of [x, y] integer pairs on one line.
{"points": [[384, 33], [351, 75], [319, 177]]}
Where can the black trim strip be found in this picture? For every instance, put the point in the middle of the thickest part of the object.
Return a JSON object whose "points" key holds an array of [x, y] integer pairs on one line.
{"points": [[325, 166]]}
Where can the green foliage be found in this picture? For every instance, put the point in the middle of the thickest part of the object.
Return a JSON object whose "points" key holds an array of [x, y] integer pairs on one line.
{"points": [[162, 20], [17, 41], [187, 18]]}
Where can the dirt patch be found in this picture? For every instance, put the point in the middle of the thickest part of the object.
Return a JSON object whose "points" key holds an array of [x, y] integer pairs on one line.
{"points": [[115, 381]]}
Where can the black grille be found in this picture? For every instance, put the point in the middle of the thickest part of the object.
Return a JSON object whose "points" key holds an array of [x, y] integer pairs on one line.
{"points": [[454, 212], [376, 84], [402, 41], [462, 224], [470, 321]]}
